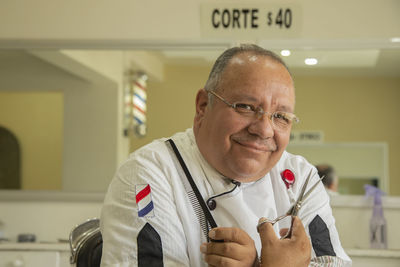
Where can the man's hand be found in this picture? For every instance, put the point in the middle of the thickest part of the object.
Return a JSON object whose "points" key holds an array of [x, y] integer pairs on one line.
{"points": [[293, 251], [238, 248]]}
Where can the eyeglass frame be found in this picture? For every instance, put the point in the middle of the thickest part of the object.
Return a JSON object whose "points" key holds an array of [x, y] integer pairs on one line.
{"points": [[258, 111]]}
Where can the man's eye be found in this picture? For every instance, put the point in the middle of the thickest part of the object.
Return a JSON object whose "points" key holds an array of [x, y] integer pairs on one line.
{"points": [[280, 116], [244, 108]]}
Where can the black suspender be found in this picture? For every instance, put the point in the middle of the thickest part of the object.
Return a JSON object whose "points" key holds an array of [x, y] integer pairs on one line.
{"points": [[200, 201]]}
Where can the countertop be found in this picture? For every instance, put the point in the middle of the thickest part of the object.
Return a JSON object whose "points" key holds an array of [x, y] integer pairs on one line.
{"points": [[376, 253], [34, 246]]}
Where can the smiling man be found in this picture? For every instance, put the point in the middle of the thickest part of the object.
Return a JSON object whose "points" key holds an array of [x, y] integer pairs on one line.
{"points": [[240, 142], [225, 174]]}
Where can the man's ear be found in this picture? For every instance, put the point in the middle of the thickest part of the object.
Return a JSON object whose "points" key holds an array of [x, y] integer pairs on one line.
{"points": [[201, 105]]}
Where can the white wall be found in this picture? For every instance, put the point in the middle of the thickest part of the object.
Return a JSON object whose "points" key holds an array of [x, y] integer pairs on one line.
{"points": [[123, 23]]}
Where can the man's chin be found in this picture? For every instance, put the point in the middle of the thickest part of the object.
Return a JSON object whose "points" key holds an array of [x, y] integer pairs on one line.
{"points": [[245, 172], [252, 168]]}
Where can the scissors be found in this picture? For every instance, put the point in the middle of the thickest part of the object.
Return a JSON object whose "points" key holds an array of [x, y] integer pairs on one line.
{"points": [[294, 209]]}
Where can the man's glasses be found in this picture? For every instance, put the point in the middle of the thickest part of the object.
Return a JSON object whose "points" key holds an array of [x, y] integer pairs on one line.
{"points": [[280, 120]]}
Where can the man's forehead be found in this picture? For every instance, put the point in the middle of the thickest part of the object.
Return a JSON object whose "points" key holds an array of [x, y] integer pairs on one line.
{"points": [[249, 57], [240, 64], [243, 58]]}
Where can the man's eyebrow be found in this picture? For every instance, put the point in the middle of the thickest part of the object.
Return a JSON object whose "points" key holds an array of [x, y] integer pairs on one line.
{"points": [[285, 108], [244, 97], [252, 99]]}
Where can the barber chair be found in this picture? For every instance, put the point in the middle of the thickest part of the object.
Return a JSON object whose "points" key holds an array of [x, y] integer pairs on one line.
{"points": [[86, 244]]}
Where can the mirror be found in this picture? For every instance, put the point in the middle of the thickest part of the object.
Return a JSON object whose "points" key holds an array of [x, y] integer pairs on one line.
{"points": [[65, 108]]}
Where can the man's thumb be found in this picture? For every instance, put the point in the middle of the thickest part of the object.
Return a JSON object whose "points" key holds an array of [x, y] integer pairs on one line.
{"points": [[266, 232]]}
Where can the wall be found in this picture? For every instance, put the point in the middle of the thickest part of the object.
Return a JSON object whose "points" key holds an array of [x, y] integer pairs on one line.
{"points": [[89, 120], [37, 122], [97, 103], [352, 109], [356, 164], [122, 21], [31, 104], [102, 24], [171, 103]]}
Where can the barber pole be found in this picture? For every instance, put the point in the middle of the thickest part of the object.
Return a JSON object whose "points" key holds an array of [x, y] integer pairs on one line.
{"points": [[135, 104], [139, 104]]}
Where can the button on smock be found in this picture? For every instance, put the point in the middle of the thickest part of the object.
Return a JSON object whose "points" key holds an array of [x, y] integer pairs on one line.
{"points": [[212, 204]]}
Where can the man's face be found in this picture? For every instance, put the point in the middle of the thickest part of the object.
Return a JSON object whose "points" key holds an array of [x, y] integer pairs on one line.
{"points": [[238, 147]]}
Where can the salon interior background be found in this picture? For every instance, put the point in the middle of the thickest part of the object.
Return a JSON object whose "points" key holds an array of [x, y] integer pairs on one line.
{"points": [[61, 86]]}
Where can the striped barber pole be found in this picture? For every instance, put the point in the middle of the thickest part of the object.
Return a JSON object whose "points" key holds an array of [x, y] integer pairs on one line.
{"points": [[139, 104], [144, 200], [135, 98]]}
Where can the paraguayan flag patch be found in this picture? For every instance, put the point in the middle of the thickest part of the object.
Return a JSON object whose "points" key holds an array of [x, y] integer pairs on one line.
{"points": [[144, 201]]}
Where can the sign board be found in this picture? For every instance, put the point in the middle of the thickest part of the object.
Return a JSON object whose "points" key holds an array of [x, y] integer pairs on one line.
{"points": [[303, 137], [250, 20]]}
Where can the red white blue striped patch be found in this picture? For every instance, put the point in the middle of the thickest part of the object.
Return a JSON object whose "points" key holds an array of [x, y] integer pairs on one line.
{"points": [[144, 201]]}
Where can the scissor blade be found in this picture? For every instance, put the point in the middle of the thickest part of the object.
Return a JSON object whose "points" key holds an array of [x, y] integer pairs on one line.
{"points": [[303, 189], [296, 206], [313, 187]]}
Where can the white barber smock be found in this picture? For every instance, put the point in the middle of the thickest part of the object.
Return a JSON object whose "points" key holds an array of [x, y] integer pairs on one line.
{"points": [[147, 210]]}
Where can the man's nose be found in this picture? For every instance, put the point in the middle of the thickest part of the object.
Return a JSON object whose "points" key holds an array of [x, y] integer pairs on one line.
{"points": [[262, 126]]}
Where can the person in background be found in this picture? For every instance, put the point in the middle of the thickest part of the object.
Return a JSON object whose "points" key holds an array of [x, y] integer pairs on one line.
{"points": [[331, 180], [173, 199]]}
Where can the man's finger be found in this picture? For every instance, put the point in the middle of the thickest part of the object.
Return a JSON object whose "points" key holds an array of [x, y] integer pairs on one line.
{"points": [[216, 260], [267, 233], [298, 230], [225, 249], [230, 234], [300, 239]]}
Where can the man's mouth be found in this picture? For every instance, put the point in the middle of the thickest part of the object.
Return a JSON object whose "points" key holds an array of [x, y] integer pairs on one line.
{"points": [[258, 145]]}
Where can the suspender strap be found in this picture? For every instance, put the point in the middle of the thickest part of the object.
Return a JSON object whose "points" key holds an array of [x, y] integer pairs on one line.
{"points": [[196, 191]]}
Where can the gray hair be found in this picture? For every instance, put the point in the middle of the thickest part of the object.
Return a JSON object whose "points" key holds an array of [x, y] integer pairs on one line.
{"points": [[222, 61], [329, 173]]}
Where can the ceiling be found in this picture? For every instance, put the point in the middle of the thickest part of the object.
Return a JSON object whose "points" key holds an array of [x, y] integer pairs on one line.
{"points": [[364, 62]]}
